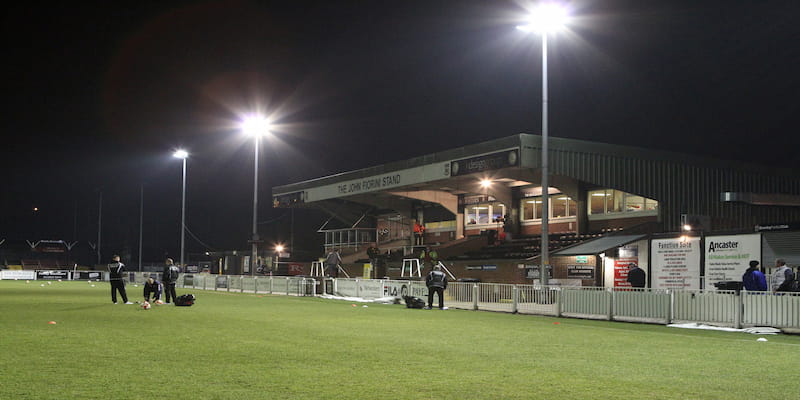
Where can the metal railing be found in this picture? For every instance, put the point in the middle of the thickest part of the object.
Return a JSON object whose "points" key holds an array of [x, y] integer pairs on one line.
{"points": [[660, 306]]}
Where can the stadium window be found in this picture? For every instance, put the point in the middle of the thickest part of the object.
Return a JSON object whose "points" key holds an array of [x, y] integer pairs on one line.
{"points": [[531, 208], [482, 214], [563, 206], [597, 202], [609, 201]]}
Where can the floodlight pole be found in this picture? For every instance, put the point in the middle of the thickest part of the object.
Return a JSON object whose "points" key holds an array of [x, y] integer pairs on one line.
{"points": [[183, 215], [254, 254], [545, 245]]}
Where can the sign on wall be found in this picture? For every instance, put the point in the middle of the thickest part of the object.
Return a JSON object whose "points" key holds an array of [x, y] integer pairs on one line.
{"points": [[377, 182], [675, 263], [486, 162], [727, 257], [627, 255], [580, 271]]}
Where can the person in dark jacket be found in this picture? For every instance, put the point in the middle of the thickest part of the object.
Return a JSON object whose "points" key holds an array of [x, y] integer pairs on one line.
{"points": [[332, 262], [115, 272], [436, 281], [374, 255], [636, 276], [152, 287], [168, 278], [753, 279]]}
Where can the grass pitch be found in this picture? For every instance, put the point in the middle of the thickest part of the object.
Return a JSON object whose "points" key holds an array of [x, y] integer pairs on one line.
{"points": [[244, 346]]}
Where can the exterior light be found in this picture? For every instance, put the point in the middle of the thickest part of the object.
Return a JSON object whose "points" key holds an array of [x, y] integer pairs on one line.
{"points": [[180, 154], [547, 18], [255, 126]]}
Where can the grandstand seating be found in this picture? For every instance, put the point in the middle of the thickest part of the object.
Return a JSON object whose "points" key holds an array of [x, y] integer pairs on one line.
{"points": [[529, 246]]}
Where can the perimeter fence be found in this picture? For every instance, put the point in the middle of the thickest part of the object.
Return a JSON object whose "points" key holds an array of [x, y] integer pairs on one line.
{"points": [[729, 308]]}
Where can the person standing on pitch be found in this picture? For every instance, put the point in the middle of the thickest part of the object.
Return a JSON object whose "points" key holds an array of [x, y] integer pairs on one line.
{"points": [[168, 278], [152, 287], [115, 270], [436, 281]]}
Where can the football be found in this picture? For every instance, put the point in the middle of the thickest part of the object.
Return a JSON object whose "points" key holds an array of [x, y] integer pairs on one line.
{"points": [[146, 305]]}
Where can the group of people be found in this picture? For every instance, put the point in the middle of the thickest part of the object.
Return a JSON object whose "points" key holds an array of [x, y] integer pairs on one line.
{"points": [[781, 280], [153, 289]]}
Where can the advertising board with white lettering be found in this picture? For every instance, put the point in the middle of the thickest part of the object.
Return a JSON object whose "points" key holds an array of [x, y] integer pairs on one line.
{"points": [[675, 263], [87, 275], [727, 257], [627, 255], [580, 271], [17, 274], [52, 275]]}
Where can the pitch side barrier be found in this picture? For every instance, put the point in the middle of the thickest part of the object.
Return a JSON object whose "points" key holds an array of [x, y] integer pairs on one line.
{"points": [[656, 306]]}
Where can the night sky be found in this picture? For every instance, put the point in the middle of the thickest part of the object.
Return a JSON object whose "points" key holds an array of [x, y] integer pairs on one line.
{"points": [[97, 97]]}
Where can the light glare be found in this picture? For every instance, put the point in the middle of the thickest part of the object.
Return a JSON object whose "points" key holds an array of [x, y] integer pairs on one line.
{"points": [[547, 18], [180, 154], [255, 126]]}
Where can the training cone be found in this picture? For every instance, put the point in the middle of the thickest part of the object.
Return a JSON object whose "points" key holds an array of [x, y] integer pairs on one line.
{"points": [[52, 322]]}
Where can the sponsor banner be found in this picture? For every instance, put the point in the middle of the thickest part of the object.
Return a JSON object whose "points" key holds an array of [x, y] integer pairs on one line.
{"points": [[52, 275], [377, 288], [17, 274], [486, 162], [484, 267], [627, 255], [580, 271], [727, 257], [675, 263], [87, 275], [791, 226], [294, 268]]}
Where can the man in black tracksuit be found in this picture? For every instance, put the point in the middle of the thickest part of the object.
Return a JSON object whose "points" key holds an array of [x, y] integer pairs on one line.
{"points": [[436, 281], [152, 287], [115, 270], [168, 277]]}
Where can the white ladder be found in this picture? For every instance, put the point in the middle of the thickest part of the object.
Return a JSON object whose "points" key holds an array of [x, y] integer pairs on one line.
{"points": [[413, 264]]}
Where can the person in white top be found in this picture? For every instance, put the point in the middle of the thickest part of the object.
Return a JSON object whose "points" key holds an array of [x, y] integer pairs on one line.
{"points": [[782, 274]]}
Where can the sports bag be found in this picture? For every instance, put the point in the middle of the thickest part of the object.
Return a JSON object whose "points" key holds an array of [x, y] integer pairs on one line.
{"points": [[414, 302], [185, 300]]}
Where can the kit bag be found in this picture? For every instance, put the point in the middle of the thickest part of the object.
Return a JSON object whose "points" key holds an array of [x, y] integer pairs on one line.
{"points": [[185, 300]]}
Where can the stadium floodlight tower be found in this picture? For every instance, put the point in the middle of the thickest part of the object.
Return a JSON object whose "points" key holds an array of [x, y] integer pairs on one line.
{"points": [[255, 126], [548, 18], [182, 154]]}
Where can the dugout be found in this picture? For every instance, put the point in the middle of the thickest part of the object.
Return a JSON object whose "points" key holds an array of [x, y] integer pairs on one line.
{"points": [[596, 190]]}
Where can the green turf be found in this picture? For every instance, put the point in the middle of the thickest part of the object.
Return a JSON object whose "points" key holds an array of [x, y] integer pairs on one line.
{"points": [[244, 346]]}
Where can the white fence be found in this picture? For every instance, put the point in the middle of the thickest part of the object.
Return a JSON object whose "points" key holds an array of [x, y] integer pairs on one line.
{"points": [[660, 306]]}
